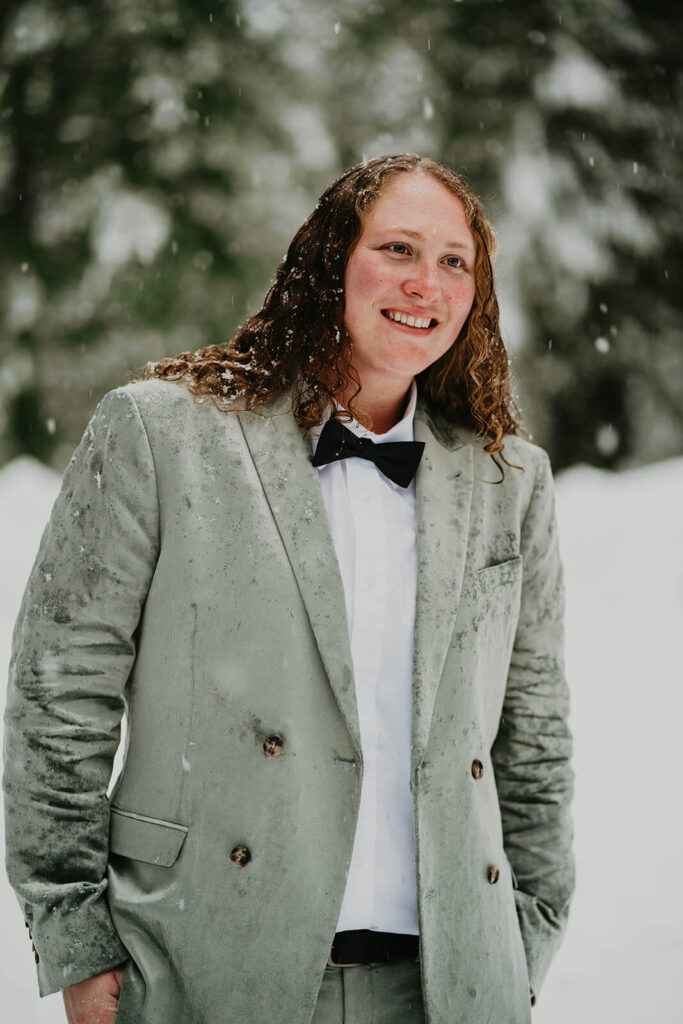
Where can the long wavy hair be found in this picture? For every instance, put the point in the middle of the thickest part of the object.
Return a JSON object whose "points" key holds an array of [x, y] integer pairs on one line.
{"points": [[299, 332]]}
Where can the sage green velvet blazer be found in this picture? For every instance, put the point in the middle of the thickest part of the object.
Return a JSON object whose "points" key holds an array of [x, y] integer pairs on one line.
{"points": [[188, 576]]}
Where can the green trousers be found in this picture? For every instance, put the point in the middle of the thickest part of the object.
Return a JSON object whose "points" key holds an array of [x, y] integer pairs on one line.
{"points": [[372, 994]]}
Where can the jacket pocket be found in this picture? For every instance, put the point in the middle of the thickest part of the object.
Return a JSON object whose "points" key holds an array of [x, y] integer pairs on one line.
{"points": [[151, 840], [501, 573], [124, 988]]}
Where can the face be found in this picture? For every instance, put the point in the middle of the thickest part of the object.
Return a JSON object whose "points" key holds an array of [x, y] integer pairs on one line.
{"points": [[414, 261]]}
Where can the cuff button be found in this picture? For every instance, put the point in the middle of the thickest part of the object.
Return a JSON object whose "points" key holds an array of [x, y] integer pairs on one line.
{"points": [[273, 746], [240, 855]]}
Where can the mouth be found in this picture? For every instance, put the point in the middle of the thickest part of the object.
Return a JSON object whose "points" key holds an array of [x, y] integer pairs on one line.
{"points": [[420, 324]]}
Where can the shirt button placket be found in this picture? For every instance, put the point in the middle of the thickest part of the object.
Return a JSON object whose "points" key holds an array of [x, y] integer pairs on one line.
{"points": [[369, 599]]}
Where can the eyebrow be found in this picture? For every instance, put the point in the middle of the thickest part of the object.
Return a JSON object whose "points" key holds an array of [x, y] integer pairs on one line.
{"points": [[417, 234]]}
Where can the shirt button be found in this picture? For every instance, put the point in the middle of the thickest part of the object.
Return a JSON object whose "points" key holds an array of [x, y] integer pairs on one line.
{"points": [[492, 874], [240, 855], [477, 768], [364, 495]]}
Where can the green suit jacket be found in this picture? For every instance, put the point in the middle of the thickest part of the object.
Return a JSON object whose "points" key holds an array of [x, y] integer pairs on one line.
{"points": [[187, 574]]}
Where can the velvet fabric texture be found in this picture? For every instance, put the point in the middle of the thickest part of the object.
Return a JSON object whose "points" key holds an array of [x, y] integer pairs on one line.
{"points": [[187, 575]]}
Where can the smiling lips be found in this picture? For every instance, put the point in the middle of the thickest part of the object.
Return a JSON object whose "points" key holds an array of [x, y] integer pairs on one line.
{"points": [[423, 323]]}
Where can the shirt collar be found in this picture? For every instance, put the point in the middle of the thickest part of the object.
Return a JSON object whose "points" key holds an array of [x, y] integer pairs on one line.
{"points": [[401, 431]]}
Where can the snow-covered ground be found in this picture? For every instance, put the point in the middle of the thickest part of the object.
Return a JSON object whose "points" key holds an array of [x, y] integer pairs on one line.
{"points": [[622, 546]]}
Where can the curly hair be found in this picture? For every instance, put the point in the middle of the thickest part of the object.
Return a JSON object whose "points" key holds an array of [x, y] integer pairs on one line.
{"points": [[299, 332]]}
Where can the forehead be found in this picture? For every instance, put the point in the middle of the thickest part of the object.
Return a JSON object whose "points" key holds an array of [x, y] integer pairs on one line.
{"points": [[420, 203]]}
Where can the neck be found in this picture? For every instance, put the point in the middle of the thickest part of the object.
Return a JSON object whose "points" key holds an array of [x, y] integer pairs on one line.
{"points": [[377, 408]]}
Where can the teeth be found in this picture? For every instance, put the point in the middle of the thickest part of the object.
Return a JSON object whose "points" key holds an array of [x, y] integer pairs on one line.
{"points": [[410, 321]]}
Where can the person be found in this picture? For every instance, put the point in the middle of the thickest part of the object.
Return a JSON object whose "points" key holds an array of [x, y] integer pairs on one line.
{"points": [[318, 567]]}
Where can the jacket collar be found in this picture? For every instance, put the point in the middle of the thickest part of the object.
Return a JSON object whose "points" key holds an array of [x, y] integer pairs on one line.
{"points": [[450, 435]]}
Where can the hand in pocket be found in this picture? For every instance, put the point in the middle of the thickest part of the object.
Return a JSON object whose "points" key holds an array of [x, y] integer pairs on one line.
{"points": [[95, 1000]]}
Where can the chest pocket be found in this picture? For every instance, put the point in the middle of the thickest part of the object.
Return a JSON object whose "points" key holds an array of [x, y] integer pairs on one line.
{"points": [[504, 574], [491, 597]]}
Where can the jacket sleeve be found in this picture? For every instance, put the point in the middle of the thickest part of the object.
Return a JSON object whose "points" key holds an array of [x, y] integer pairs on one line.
{"points": [[72, 650], [532, 751]]}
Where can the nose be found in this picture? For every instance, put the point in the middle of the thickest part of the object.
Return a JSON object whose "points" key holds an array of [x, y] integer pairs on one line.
{"points": [[423, 283]]}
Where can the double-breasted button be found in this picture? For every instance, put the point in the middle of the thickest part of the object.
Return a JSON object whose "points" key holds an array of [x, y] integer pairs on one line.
{"points": [[492, 874], [477, 768], [273, 746], [240, 855]]}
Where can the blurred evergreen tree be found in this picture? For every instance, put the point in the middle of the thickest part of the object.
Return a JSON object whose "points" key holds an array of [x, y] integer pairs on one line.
{"points": [[144, 170], [596, 272], [565, 116], [156, 157]]}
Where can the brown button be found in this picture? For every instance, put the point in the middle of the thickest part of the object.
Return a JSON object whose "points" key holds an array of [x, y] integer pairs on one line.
{"points": [[273, 746], [477, 768], [240, 855], [493, 874]]}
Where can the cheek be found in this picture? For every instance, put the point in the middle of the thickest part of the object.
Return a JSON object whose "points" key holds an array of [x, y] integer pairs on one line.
{"points": [[365, 282], [461, 297]]}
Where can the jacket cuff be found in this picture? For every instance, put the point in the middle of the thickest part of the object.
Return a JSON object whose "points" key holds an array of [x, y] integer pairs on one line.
{"points": [[72, 943], [542, 933]]}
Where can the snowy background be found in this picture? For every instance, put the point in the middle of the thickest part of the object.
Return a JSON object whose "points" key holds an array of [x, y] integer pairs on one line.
{"points": [[156, 159], [622, 547]]}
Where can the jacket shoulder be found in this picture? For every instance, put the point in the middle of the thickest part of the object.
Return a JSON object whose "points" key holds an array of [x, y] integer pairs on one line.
{"points": [[169, 406], [516, 448], [156, 393], [527, 453], [532, 459]]}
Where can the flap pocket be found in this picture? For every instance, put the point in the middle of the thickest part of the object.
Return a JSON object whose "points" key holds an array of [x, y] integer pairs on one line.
{"points": [[152, 840], [503, 572]]}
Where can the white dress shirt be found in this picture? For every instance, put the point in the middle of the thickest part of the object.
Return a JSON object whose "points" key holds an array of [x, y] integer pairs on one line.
{"points": [[373, 523]]}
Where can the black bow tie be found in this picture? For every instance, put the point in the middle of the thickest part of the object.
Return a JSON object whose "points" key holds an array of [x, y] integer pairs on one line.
{"points": [[396, 459]]}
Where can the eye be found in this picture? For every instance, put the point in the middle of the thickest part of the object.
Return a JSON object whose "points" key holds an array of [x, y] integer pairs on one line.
{"points": [[458, 265], [397, 245]]}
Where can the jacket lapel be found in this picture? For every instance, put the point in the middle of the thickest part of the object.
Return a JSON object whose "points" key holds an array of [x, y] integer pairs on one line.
{"points": [[444, 495], [282, 457]]}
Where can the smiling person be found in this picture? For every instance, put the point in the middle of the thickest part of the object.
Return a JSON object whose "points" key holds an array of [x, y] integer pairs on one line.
{"points": [[318, 567]]}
